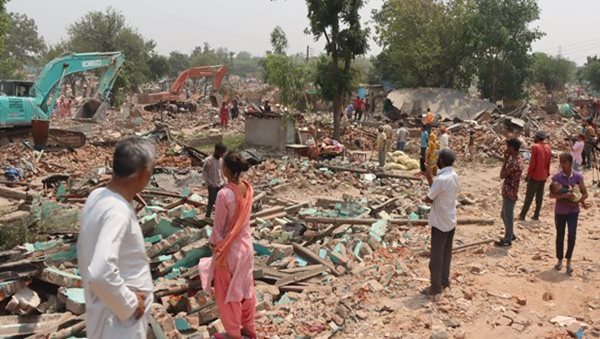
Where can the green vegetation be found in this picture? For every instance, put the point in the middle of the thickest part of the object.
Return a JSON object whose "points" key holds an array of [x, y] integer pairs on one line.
{"points": [[553, 72], [591, 72]]}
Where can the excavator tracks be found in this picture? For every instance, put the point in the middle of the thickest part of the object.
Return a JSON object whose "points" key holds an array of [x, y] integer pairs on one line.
{"points": [[57, 138]]}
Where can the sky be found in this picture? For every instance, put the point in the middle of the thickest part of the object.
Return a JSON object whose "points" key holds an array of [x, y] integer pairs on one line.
{"points": [[245, 25]]}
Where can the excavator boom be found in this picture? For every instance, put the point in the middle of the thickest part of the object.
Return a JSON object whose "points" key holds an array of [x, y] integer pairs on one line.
{"points": [[20, 111], [174, 93]]}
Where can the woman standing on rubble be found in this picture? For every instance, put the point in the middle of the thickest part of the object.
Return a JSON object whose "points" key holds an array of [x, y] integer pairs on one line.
{"points": [[231, 265]]}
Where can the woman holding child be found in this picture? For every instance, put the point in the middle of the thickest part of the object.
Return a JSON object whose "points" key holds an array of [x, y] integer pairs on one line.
{"points": [[569, 191]]}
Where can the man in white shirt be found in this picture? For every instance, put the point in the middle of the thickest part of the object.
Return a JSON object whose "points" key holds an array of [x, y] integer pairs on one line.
{"points": [[110, 249], [444, 138], [212, 170], [402, 133], [442, 219]]}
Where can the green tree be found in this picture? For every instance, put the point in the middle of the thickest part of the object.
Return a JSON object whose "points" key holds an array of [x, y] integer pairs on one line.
{"points": [[590, 72], [504, 36], [23, 42], [178, 62], [279, 41], [290, 75], [552, 71], [6, 66], [106, 31], [159, 66], [426, 43], [338, 21]]}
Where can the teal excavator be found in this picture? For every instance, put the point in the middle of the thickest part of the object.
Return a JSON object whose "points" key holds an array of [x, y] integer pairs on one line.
{"points": [[21, 114]]}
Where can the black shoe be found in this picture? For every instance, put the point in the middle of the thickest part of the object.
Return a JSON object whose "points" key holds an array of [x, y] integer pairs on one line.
{"points": [[514, 237], [502, 243], [428, 291], [535, 218]]}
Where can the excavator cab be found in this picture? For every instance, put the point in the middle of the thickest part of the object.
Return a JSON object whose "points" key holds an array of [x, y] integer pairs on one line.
{"points": [[15, 88]]}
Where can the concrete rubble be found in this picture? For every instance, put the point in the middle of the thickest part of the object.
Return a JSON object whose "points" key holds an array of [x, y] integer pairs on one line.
{"points": [[340, 245]]}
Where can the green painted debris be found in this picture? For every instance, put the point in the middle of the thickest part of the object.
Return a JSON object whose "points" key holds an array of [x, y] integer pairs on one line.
{"points": [[185, 192], [166, 228], [182, 325], [162, 258], [323, 253], [413, 216], [191, 258], [61, 191], [301, 262], [68, 255], [308, 211], [285, 300], [75, 294], [189, 214], [378, 229], [357, 249], [153, 239], [260, 249]]}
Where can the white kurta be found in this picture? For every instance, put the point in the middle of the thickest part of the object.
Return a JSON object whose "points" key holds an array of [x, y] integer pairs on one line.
{"points": [[113, 264]]}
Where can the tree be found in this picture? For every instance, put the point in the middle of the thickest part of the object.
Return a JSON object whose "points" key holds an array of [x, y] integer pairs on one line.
{"points": [[290, 75], [159, 66], [591, 72], [178, 62], [243, 55], [279, 41], [5, 64], [105, 32], [426, 43], [504, 37], [23, 42], [338, 21], [552, 71]]}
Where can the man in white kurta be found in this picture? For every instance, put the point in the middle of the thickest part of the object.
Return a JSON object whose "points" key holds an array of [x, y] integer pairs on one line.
{"points": [[112, 260]]}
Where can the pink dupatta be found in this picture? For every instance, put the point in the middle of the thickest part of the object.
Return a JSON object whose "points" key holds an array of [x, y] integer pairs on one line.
{"points": [[206, 266]]}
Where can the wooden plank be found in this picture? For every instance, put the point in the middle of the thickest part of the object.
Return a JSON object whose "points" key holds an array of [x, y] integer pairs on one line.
{"points": [[312, 257], [370, 221], [299, 269], [300, 276], [324, 234], [458, 248]]}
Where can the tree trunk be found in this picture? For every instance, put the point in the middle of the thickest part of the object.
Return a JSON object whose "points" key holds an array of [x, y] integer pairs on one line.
{"points": [[338, 102]]}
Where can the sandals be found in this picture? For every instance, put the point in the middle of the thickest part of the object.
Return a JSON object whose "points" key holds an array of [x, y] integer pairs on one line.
{"points": [[502, 243], [558, 267], [569, 270]]}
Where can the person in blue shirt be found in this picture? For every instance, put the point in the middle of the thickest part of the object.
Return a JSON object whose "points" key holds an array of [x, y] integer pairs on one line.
{"points": [[424, 142]]}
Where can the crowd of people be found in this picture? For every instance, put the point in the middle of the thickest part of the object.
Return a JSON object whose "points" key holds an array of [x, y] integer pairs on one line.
{"points": [[114, 267]]}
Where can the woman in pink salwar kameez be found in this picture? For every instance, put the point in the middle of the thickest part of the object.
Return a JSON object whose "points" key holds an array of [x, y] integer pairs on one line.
{"points": [[231, 265]]}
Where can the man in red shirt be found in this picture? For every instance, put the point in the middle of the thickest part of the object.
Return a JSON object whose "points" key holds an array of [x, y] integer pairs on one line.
{"points": [[358, 108], [537, 174]]}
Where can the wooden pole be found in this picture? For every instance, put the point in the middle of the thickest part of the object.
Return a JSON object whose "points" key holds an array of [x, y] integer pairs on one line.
{"points": [[458, 248], [369, 221]]}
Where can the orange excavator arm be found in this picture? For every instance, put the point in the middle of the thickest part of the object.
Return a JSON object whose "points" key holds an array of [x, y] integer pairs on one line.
{"points": [[218, 72]]}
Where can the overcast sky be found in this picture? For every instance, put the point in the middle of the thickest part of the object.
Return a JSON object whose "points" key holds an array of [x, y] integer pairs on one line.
{"points": [[246, 24]]}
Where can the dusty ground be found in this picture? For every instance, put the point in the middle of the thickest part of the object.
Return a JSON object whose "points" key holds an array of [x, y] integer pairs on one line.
{"points": [[487, 280]]}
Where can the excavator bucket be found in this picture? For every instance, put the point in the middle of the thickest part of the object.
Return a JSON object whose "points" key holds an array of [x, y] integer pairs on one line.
{"points": [[92, 109]]}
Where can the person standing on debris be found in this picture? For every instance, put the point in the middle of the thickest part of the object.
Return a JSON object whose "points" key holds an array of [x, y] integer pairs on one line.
{"points": [[110, 248], [231, 266], [566, 212], [267, 107], [444, 138], [433, 147], [578, 147], [402, 133], [424, 143], [590, 142], [537, 174], [389, 133], [358, 109], [381, 145], [442, 195], [428, 120], [235, 111], [512, 169], [213, 175], [224, 115], [350, 111]]}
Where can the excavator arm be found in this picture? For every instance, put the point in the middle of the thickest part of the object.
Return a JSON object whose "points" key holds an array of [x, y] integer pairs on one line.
{"points": [[54, 72], [217, 72]]}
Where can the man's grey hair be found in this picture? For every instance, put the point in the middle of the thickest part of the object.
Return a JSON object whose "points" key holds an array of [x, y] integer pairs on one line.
{"points": [[132, 154], [447, 157]]}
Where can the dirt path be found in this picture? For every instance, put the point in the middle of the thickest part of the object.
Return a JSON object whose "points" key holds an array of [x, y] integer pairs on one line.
{"points": [[498, 292]]}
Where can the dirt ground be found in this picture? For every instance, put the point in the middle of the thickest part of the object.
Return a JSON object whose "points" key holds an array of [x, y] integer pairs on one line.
{"points": [[496, 292]]}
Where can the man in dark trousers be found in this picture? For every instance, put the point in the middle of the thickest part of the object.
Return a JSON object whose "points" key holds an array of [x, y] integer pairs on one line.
{"points": [[212, 171], [511, 171], [537, 174], [443, 192]]}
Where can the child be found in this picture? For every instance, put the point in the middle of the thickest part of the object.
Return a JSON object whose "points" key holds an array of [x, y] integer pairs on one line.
{"points": [[557, 188]]}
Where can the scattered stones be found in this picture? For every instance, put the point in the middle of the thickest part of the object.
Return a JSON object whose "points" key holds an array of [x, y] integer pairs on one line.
{"points": [[521, 300], [439, 332], [548, 296]]}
